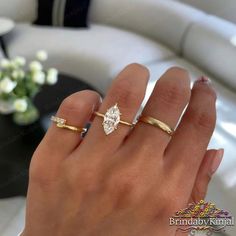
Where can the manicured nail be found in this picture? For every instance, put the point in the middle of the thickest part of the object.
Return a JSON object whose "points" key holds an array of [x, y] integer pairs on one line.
{"points": [[217, 160], [203, 79]]}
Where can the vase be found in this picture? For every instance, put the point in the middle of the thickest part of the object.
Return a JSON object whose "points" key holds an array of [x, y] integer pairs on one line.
{"points": [[28, 117], [6, 107]]}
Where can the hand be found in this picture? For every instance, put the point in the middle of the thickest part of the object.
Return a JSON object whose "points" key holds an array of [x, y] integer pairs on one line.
{"points": [[130, 182]]}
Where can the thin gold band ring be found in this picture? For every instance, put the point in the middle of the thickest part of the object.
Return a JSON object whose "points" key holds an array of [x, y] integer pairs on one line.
{"points": [[61, 123], [156, 123]]}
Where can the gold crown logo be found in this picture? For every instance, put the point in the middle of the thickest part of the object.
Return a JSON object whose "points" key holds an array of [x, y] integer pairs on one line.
{"points": [[202, 209]]}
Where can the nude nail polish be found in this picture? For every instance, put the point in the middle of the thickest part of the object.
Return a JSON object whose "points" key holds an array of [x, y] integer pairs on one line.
{"points": [[203, 79], [216, 162]]}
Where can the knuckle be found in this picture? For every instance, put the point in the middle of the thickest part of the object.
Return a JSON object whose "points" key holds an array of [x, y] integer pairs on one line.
{"points": [[204, 119], [129, 87], [88, 183], [207, 92], [68, 103], [122, 195], [126, 92], [49, 177], [171, 92], [80, 101], [121, 186], [145, 149], [71, 103], [85, 180]]}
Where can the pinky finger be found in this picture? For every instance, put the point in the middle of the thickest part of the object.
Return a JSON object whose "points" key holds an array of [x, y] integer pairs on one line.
{"points": [[209, 166]]}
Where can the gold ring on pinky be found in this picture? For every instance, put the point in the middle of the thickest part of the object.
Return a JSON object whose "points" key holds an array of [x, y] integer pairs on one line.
{"points": [[111, 119], [156, 123], [61, 123]]}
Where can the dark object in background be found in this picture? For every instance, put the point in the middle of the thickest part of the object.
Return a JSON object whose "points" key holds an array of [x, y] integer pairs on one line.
{"points": [[68, 13], [17, 143]]}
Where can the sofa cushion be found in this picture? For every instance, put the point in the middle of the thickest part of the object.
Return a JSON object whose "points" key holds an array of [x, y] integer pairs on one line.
{"points": [[164, 21], [224, 9], [12, 210], [19, 10], [95, 54], [211, 44], [71, 13]]}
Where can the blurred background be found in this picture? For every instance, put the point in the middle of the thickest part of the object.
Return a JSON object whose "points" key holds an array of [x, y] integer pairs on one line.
{"points": [[75, 45]]}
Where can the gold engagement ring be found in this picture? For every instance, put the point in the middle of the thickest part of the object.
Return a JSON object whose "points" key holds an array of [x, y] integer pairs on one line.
{"points": [[61, 123], [111, 119]]}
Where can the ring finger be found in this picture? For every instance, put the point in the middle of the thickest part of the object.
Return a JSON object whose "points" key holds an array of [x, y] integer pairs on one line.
{"points": [[167, 102]]}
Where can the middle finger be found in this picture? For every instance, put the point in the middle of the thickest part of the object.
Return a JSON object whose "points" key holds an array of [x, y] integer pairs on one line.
{"points": [[128, 91]]}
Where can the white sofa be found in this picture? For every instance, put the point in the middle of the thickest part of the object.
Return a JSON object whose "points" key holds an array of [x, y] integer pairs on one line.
{"points": [[224, 9], [156, 33]]}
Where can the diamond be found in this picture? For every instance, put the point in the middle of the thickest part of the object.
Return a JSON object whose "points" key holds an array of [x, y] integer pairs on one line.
{"points": [[111, 119], [60, 122]]}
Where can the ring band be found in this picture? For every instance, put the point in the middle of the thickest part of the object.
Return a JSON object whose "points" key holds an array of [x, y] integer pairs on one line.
{"points": [[111, 119], [157, 123], [61, 123]]}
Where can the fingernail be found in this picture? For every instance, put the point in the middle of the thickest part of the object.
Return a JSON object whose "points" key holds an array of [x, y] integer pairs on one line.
{"points": [[203, 79], [217, 160]]}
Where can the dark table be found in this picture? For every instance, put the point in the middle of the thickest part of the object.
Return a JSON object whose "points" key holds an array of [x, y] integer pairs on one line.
{"points": [[17, 143]]}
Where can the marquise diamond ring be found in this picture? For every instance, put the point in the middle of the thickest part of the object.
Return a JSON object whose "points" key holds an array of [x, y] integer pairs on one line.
{"points": [[111, 119]]}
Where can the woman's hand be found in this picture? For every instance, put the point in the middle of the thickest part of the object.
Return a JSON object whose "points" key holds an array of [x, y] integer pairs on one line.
{"points": [[130, 182]]}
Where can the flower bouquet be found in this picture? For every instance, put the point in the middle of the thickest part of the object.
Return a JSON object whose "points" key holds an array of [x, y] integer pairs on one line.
{"points": [[19, 83]]}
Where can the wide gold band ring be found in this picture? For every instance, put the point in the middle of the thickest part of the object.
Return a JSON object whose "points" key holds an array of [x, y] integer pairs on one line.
{"points": [[111, 119], [156, 123], [61, 123]]}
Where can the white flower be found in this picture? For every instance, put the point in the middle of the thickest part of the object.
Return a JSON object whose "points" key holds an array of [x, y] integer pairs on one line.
{"points": [[35, 66], [21, 74], [15, 74], [42, 55], [38, 77], [53, 71], [19, 61], [52, 76], [18, 74], [20, 105], [5, 63], [7, 85], [52, 79]]}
